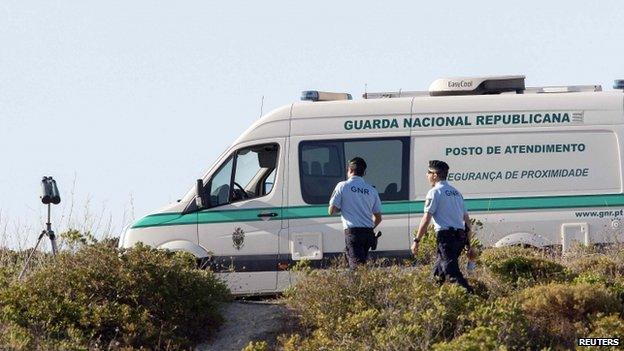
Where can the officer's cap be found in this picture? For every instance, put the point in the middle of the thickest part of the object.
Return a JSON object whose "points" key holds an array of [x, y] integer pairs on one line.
{"points": [[439, 166]]}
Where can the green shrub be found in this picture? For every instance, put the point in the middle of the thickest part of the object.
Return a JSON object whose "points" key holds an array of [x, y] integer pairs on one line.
{"points": [[589, 278], [557, 311], [615, 285], [427, 247], [14, 337], [601, 265], [505, 318], [478, 339], [604, 326], [101, 298], [501, 253], [256, 346], [526, 305], [6, 275], [376, 308], [74, 238], [12, 262], [519, 266]]}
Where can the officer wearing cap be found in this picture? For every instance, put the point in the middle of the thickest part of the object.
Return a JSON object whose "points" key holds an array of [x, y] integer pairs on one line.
{"points": [[445, 205], [360, 208]]}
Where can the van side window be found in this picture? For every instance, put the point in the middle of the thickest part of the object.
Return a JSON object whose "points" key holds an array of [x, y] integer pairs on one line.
{"points": [[387, 165], [248, 174], [268, 183], [255, 168], [322, 164]]}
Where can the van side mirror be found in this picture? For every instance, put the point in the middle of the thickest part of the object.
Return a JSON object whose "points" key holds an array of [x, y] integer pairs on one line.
{"points": [[200, 199]]}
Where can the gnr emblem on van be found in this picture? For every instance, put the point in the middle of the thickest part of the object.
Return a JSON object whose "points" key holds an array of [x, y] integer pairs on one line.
{"points": [[238, 238]]}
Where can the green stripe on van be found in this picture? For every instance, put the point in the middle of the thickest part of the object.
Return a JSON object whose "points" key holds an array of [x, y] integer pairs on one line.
{"points": [[388, 208], [546, 202], [164, 219]]}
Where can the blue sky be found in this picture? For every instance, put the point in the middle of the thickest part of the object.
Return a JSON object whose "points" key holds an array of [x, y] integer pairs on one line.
{"points": [[126, 103]]}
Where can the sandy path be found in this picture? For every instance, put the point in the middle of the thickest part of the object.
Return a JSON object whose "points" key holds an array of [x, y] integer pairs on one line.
{"points": [[247, 321]]}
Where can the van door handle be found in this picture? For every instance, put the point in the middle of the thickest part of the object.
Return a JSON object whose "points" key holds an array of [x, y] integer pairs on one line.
{"points": [[270, 214]]}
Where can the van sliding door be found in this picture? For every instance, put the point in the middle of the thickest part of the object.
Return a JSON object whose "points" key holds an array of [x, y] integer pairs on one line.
{"points": [[321, 165]]}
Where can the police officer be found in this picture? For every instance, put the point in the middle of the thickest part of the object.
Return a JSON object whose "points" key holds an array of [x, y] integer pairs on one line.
{"points": [[445, 205], [360, 208]]}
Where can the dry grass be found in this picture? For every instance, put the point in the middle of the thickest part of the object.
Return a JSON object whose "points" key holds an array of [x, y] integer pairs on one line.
{"points": [[526, 299]]}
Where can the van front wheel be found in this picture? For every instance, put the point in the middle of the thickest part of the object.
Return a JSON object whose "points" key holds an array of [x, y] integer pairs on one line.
{"points": [[204, 262]]}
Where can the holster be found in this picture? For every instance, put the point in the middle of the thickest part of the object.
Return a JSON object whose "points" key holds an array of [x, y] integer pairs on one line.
{"points": [[375, 240]]}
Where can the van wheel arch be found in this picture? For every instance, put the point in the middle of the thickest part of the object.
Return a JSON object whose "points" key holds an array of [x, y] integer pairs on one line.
{"points": [[523, 239], [186, 246]]}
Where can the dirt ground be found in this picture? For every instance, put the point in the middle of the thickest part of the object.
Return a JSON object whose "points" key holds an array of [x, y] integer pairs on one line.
{"points": [[247, 321]]}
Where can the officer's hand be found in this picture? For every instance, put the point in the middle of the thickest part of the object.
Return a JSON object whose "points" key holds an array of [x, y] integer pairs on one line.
{"points": [[414, 248]]}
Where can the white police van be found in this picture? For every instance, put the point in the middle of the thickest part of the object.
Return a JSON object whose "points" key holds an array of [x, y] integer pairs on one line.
{"points": [[538, 166]]}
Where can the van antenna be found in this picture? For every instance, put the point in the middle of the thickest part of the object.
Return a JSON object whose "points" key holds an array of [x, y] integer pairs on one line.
{"points": [[261, 105], [365, 88]]}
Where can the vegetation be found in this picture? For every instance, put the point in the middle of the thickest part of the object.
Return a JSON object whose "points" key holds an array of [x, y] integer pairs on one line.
{"points": [[526, 299], [97, 297]]}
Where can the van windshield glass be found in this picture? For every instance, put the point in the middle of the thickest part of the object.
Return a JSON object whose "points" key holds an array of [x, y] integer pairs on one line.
{"points": [[220, 184], [268, 184]]}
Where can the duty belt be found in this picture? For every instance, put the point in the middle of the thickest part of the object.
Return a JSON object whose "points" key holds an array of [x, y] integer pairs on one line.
{"points": [[453, 229], [359, 230]]}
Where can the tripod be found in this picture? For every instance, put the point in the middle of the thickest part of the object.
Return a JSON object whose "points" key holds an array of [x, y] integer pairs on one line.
{"points": [[46, 232]]}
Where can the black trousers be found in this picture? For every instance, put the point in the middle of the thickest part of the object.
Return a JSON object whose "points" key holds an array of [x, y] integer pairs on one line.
{"points": [[450, 246], [358, 241]]}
